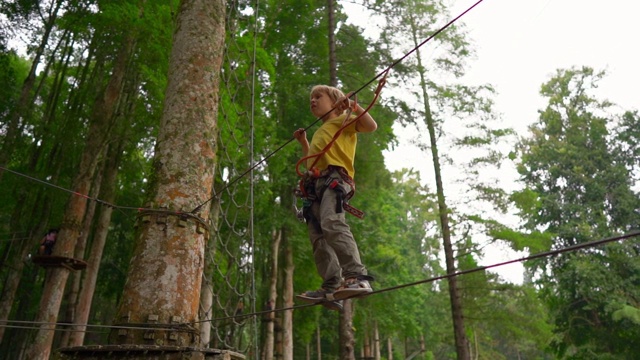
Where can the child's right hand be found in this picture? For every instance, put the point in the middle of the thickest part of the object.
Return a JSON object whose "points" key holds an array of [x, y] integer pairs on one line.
{"points": [[345, 103], [300, 135]]}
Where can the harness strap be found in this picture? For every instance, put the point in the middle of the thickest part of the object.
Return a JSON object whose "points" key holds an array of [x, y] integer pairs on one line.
{"points": [[353, 211], [312, 176]]}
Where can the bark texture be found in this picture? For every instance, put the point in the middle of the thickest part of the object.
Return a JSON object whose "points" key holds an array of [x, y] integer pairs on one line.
{"points": [[87, 288], [287, 295], [164, 282], [97, 135], [269, 338]]}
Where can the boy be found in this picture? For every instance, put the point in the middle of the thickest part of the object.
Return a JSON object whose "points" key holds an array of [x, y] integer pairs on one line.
{"points": [[334, 249]]}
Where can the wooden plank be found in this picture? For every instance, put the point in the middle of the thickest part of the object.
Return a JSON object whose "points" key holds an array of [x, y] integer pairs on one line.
{"points": [[59, 261]]}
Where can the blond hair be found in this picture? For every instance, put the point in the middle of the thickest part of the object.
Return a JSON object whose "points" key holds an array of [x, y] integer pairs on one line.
{"points": [[334, 93]]}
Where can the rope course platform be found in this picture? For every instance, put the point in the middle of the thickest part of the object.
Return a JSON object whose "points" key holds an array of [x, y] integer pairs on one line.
{"points": [[130, 352], [48, 261]]}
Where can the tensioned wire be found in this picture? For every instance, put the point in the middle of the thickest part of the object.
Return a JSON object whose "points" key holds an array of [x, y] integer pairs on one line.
{"points": [[539, 255], [254, 297], [354, 93], [476, 269], [193, 213], [226, 187]]}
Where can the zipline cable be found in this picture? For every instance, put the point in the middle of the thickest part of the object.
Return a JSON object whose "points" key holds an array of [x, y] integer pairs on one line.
{"points": [[22, 324], [97, 200], [462, 272], [193, 213], [383, 72], [173, 326]]}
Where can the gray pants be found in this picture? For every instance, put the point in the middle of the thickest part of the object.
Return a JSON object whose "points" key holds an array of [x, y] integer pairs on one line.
{"points": [[334, 249]]}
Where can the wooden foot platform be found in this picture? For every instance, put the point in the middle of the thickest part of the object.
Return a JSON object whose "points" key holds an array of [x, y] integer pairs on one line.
{"points": [[59, 261], [145, 352]]}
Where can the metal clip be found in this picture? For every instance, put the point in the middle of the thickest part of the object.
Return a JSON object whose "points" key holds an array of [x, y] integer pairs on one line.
{"points": [[299, 214]]}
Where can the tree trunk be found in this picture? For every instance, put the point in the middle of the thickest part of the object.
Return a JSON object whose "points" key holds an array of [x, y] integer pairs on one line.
{"points": [[376, 341], [319, 342], [366, 346], [462, 344], [97, 135], [87, 288], [39, 215], [17, 263], [57, 277], [76, 278], [333, 66], [347, 342], [267, 353], [287, 295], [389, 349], [164, 281]]}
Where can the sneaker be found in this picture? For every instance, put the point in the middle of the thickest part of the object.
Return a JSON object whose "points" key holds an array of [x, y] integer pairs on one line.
{"points": [[323, 297], [354, 287], [315, 296]]}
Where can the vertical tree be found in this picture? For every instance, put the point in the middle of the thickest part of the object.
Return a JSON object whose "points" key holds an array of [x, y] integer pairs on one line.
{"points": [[101, 124], [409, 23], [164, 280]]}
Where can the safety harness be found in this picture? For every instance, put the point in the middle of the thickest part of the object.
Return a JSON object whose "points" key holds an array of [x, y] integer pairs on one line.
{"points": [[306, 187]]}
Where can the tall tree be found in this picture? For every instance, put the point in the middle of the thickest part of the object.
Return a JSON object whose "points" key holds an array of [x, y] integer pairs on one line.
{"points": [[164, 280], [437, 101], [102, 122], [582, 190]]}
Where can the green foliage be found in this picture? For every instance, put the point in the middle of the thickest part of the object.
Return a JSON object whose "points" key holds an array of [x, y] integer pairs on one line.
{"points": [[577, 170], [13, 71], [626, 312], [579, 188]]}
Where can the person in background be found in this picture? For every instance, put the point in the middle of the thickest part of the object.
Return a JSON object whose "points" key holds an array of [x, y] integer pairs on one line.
{"points": [[47, 242]]}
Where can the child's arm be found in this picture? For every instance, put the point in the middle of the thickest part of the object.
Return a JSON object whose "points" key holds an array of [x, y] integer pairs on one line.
{"points": [[301, 136], [366, 123]]}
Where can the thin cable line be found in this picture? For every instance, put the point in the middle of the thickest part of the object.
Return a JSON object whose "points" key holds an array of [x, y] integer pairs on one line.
{"points": [[268, 156], [458, 273], [105, 203], [254, 296], [419, 45], [53, 329], [40, 324], [174, 326]]}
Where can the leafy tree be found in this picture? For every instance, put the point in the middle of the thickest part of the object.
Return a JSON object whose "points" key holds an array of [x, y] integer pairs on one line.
{"points": [[580, 180], [437, 101]]}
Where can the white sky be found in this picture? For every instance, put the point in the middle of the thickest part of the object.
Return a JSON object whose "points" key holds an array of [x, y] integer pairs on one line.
{"points": [[519, 45]]}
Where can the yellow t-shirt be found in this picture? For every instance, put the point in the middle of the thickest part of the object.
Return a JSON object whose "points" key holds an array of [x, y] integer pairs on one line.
{"points": [[343, 150]]}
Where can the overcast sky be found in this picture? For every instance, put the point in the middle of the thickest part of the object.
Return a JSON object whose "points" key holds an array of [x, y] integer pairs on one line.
{"points": [[520, 44]]}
